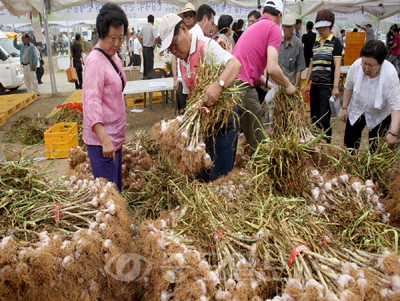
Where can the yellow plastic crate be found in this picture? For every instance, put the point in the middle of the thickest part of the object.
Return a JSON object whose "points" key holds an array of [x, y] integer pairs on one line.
{"points": [[12, 103], [60, 138]]}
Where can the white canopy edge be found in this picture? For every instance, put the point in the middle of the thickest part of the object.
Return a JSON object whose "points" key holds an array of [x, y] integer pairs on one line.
{"points": [[384, 9], [379, 8]]}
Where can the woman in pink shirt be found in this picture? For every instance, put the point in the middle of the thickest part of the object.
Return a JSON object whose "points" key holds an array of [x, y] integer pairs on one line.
{"points": [[104, 116]]}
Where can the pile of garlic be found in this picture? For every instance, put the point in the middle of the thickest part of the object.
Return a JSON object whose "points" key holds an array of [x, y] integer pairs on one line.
{"points": [[354, 283], [245, 283], [323, 192]]}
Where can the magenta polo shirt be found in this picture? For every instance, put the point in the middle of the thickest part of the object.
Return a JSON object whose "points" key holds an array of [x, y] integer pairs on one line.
{"points": [[251, 48], [396, 51]]}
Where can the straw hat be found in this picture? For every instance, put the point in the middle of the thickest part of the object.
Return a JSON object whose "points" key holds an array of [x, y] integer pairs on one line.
{"points": [[188, 7]]}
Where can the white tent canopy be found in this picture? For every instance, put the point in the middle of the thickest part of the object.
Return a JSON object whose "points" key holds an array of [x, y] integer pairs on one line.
{"points": [[380, 8]]}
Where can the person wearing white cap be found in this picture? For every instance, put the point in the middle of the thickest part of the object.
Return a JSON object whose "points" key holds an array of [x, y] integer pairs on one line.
{"points": [[204, 16], [324, 71], [190, 48], [256, 50], [291, 53], [189, 17]]}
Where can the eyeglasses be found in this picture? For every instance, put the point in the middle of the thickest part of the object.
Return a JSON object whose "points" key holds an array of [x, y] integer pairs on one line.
{"points": [[188, 15], [115, 39], [369, 67]]}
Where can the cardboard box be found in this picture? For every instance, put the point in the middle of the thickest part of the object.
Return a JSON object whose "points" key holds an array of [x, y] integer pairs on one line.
{"points": [[132, 73]]}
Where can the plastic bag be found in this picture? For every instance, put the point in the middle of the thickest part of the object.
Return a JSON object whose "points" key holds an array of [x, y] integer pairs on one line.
{"points": [[271, 94], [334, 105]]}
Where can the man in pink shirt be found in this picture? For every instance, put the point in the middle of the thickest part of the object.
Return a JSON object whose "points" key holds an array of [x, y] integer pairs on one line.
{"points": [[256, 50], [395, 50]]}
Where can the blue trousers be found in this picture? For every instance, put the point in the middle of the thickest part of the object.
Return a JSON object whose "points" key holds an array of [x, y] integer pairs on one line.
{"points": [[222, 147], [105, 167]]}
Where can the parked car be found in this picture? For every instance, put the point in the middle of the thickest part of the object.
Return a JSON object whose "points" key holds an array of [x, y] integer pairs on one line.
{"points": [[11, 73]]}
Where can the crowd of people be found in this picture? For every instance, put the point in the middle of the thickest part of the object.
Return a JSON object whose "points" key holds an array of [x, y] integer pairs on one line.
{"points": [[259, 57]]}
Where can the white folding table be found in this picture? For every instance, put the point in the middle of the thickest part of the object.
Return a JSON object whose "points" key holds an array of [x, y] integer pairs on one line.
{"points": [[344, 69], [142, 86], [343, 72]]}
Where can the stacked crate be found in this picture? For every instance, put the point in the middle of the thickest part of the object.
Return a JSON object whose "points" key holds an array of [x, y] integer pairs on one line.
{"points": [[59, 139], [354, 44]]}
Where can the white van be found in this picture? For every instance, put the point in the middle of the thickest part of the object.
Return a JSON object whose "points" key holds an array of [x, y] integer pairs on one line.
{"points": [[11, 73]]}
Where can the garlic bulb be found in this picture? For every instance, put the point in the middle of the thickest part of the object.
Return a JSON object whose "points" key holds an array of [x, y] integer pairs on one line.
{"points": [[107, 244], [344, 280], [343, 178], [203, 286], [66, 260]]}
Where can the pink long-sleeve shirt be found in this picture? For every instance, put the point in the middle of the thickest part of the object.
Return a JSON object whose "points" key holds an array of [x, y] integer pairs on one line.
{"points": [[102, 100]]}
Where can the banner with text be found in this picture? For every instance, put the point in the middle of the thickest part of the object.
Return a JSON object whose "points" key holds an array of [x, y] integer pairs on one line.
{"points": [[133, 11]]}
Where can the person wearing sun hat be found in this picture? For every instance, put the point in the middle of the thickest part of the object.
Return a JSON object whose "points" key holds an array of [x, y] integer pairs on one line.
{"points": [[190, 48], [256, 50], [202, 27], [324, 71], [188, 15], [291, 53]]}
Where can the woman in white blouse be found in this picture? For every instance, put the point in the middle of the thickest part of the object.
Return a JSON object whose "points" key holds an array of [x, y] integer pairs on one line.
{"points": [[371, 97]]}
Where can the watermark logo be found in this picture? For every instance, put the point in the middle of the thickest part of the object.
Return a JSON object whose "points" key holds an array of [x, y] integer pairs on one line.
{"points": [[140, 269]]}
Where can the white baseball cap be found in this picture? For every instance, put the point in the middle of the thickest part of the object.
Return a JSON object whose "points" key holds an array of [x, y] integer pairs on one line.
{"points": [[277, 4], [167, 27]]}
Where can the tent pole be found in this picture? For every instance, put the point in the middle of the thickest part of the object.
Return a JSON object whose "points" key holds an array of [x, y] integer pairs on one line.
{"points": [[283, 13], [69, 42], [377, 27], [49, 51]]}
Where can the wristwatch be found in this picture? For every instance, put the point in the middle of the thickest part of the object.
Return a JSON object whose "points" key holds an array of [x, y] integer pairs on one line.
{"points": [[221, 83]]}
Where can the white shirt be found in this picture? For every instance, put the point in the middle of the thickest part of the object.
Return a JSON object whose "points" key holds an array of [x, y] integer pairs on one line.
{"points": [[364, 101], [38, 61], [148, 34], [211, 49], [196, 30], [136, 46], [130, 44], [336, 31]]}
